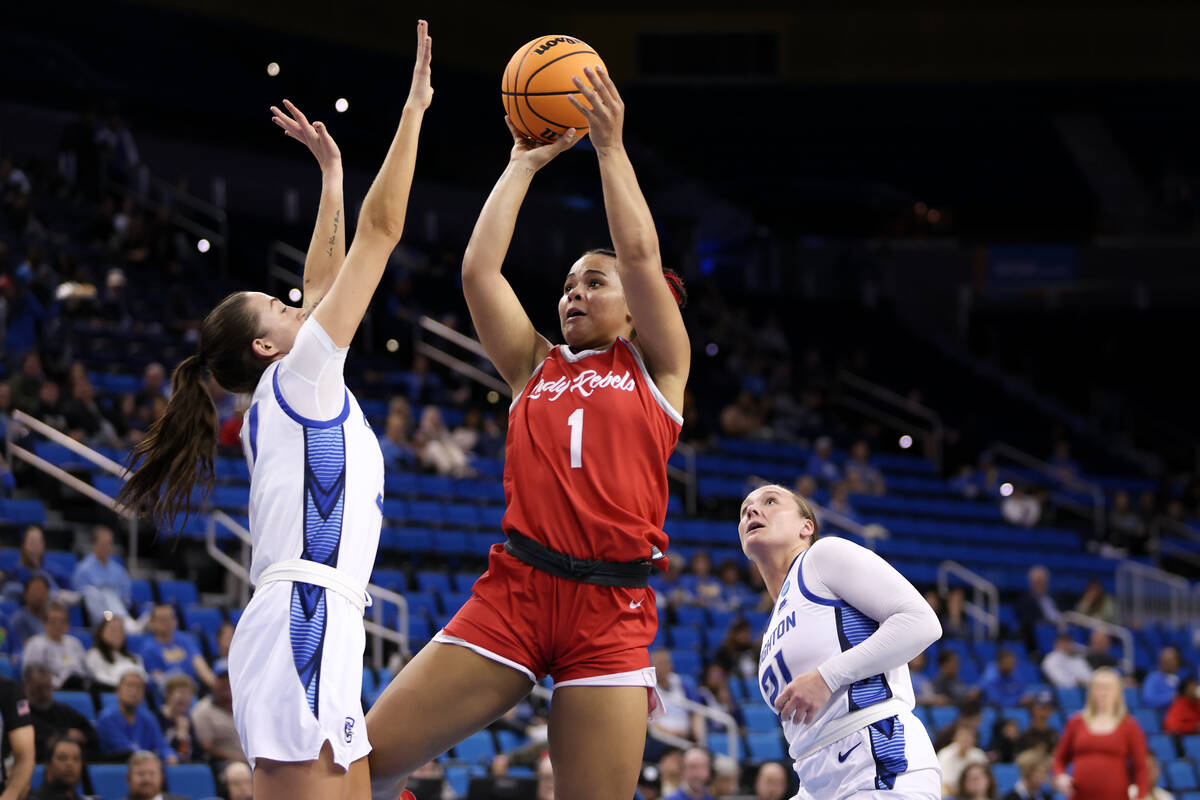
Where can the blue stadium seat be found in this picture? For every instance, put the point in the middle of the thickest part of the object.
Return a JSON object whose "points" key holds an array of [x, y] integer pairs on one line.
{"points": [[1162, 747], [686, 662], [181, 593], [692, 615], [451, 543], [207, 620], [191, 780], [6, 667], [399, 483], [433, 581], [421, 602], [390, 579], [1180, 775], [1148, 718], [765, 746], [412, 540], [463, 581], [510, 740], [459, 777], [719, 742], [84, 636], [140, 589], [80, 701], [942, 716], [490, 517], [108, 780], [760, 717], [1006, 776], [686, 637], [425, 512], [395, 510], [1191, 747], [478, 747], [1070, 699]]}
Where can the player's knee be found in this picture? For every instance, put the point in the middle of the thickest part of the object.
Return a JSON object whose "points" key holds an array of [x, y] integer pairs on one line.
{"points": [[386, 787]]}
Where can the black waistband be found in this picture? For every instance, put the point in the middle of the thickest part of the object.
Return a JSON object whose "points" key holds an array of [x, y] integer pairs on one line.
{"points": [[629, 574]]}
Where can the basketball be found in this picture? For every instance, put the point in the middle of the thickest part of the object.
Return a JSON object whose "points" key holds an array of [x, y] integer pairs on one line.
{"points": [[538, 81]]}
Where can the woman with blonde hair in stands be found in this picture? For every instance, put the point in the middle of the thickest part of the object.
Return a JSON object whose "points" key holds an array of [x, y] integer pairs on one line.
{"points": [[1104, 744]]}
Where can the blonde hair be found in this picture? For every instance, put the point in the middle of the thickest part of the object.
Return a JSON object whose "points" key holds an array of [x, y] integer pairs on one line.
{"points": [[806, 509], [1089, 708]]}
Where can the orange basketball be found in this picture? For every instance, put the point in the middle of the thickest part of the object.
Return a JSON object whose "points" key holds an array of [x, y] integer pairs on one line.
{"points": [[537, 82]]}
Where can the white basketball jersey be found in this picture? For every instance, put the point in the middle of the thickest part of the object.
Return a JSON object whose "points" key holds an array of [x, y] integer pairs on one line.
{"points": [[316, 486], [805, 631]]}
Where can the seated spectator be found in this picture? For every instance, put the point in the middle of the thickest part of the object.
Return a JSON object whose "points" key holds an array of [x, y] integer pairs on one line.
{"points": [[435, 447], [145, 778], [702, 587], [25, 383], [922, 685], [745, 416], [714, 693], [862, 477], [173, 715], [1161, 685], [30, 619], [154, 385], [110, 657], [649, 785], [955, 623], [64, 771], [1154, 772], [1021, 508], [725, 776], [696, 777], [50, 408], [839, 500], [212, 720], [168, 651], [1099, 650], [85, 421], [1039, 734], [1034, 768], [976, 783], [31, 561], [1125, 528], [129, 726], [424, 387], [224, 639], [670, 770], [395, 443], [102, 579], [1000, 684], [821, 464], [1005, 733], [468, 434], [123, 416], [970, 714], [668, 586], [771, 782], [1063, 666], [806, 485], [1096, 603], [958, 755], [60, 652], [676, 721], [735, 595], [965, 482], [738, 651], [1183, 715], [1036, 606], [238, 781], [51, 718], [948, 683]]}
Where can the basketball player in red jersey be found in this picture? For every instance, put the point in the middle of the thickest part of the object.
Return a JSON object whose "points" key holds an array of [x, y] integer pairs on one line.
{"points": [[590, 431]]}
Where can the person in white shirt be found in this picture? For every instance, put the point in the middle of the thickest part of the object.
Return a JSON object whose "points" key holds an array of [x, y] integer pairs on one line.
{"points": [[60, 652], [957, 756], [1064, 667], [110, 657]]}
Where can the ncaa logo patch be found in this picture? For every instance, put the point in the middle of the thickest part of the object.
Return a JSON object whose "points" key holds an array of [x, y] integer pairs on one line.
{"points": [[786, 585], [349, 729]]}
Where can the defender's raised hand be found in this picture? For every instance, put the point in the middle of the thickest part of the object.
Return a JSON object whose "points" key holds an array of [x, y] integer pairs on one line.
{"points": [[315, 136]]}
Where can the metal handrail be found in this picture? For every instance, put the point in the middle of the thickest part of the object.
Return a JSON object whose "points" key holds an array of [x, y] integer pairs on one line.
{"points": [[934, 437], [1119, 631], [1168, 601], [1158, 548], [20, 418], [1074, 483], [218, 237], [987, 616]]}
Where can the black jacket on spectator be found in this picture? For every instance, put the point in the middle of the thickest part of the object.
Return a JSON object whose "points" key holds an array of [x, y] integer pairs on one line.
{"points": [[59, 718], [48, 792]]}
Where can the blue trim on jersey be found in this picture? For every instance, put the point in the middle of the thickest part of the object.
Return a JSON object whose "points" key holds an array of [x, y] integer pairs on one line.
{"points": [[804, 589], [254, 432], [887, 748], [305, 421], [324, 504], [853, 628]]}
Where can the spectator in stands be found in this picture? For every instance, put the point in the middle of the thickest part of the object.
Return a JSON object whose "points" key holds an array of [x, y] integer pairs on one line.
{"points": [[30, 619], [50, 409], [714, 693], [1021, 508], [64, 770], [1034, 768], [168, 651], [224, 639], [1161, 685], [145, 778], [839, 500], [1005, 733], [102, 580], [821, 464], [17, 739], [860, 474], [52, 718], [395, 443], [1096, 603], [976, 783], [745, 416], [1063, 666], [676, 721], [25, 383], [1000, 684], [701, 585], [1039, 734], [970, 714], [922, 684], [735, 595], [435, 446], [1036, 606], [60, 652], [1065, 468], [239, 782], [738, 651], [806, 485], [1103, 744], [212, 720], [129, 726], [1183, 715], [955, 624], [110, 657], [965, 482], [725, 776], [771, 783], [1154, 772], [173, 718], [154, 385], [1125, 528], [670, 770], [948, 684], [123, 416], [1099, 651], [85, 420], [424, 386], [958, 755], [32, 558], [697, 774]]}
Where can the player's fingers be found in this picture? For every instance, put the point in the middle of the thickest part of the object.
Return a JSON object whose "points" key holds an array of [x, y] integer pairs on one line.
{"points": [[588, 113], [297, 113], [587, 91], [600, 84]]}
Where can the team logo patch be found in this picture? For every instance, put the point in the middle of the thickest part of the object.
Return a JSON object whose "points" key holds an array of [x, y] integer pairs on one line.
{"points": [[349, 729], [782, 603], [786, 585], [22, 708]]}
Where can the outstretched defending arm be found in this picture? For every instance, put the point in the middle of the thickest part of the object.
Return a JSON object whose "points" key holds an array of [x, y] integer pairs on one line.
{"points": [[327, 249], [382, 218]]}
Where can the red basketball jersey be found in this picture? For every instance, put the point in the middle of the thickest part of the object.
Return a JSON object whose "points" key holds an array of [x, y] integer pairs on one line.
{"points": [[588, 443]]}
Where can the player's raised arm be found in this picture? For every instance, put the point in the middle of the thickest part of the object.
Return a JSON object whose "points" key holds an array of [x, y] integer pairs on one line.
{"points": [[504, 328], [381, 220], [327, 249], [661, 334]]}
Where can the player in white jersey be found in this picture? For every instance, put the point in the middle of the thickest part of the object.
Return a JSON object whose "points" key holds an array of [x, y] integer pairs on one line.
{"points": [[834, 658], [316, 476]]}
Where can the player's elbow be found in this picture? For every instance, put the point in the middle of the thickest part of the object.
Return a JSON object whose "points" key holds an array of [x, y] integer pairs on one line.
{"points": [[932, 627], [380, 223]]}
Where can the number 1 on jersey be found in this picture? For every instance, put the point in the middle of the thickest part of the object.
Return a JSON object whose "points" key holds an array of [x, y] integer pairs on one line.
{"points": [[575, 422]]}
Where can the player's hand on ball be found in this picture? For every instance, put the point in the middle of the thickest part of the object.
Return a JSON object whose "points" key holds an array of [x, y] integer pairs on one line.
{"points": [[315, 136], [421, 93], [604, 109], [536, 154], [803, 698]]}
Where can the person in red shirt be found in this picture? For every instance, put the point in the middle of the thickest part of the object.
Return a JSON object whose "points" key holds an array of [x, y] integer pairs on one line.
{"points": [[591, 427], [1183, 715], [1105, 746]]}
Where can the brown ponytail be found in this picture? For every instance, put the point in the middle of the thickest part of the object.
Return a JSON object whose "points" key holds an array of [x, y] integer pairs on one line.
{"points": [[177, 453]]}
